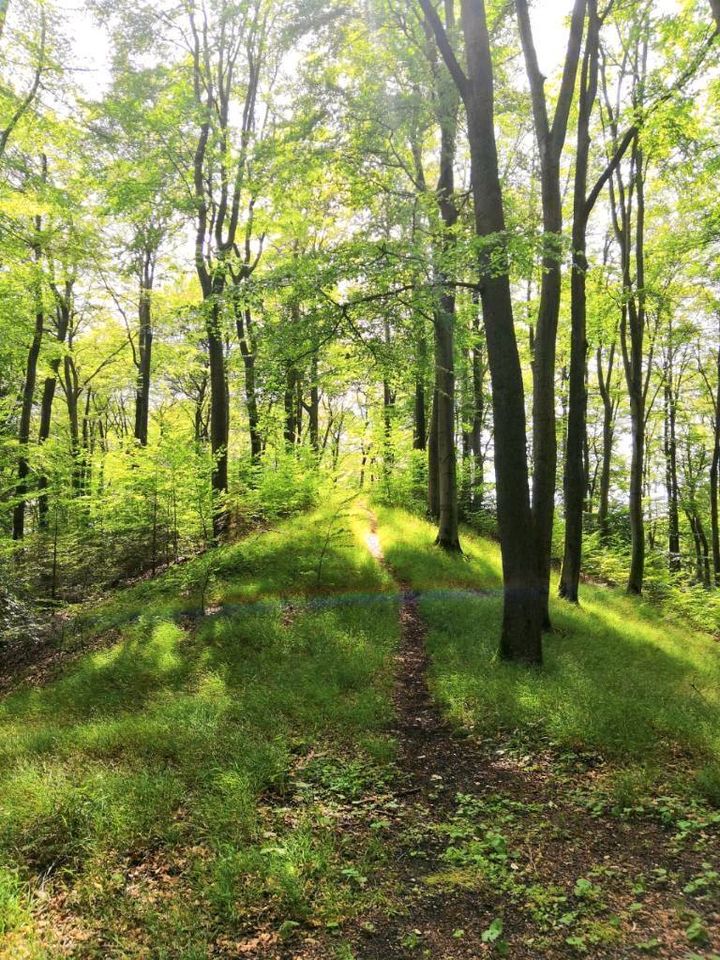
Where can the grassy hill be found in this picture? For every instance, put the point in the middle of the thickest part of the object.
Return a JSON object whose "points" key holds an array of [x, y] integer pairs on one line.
{"points": [[223, 774]]}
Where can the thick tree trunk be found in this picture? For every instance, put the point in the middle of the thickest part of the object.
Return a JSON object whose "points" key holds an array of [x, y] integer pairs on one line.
{"points": [[521, 637]]}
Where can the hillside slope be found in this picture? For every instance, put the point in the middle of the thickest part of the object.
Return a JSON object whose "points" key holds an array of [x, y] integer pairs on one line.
{"points": [[250, 764]]}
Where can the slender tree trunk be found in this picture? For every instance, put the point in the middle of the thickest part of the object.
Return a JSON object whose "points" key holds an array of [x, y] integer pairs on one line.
{"points": [[219, 416], [478, 412], [448, 103], [289, 398], [704, 546], [714, 471], [244, 326], [671, 478], [609, 409], [575, 475], [62, 321], [388, 409], [433, 467], [419, 418], [637, 519], [447, 536], [28, 394], [145, 339], [550, 139], [314, 410]]}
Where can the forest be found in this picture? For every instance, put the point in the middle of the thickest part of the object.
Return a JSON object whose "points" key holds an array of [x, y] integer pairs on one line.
{"points": [[359, 479]]}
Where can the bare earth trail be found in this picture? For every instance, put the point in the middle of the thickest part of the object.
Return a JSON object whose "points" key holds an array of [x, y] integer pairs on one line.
{"points": [[490, 853]]}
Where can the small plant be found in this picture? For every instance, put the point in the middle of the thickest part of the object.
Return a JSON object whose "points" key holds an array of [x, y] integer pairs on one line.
{"points": [[199, 577], [334, 534]]}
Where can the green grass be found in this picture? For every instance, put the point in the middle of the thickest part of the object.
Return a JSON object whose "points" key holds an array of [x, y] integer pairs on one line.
{"points": [[618, 678], [133, 785], [192, 779]]}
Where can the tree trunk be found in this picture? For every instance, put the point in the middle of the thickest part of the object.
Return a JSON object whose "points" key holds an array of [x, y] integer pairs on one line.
{"points": [[62, 321], [478, 413], [714, 471], [609, 409], [447, 536], [433, 467], [388, 407], [550, 140], [575, 478], [420, 405], [289, 400], [145, 339], [28, 394], [314, 410], [244, 326], [447, 101], [521, 637], [637, 519], [671, 477], [219, 416]]}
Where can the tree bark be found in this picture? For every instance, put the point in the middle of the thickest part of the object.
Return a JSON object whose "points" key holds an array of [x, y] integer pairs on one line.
{"points": [[145, 339], [314, 409], [289, 402], [609, 411], [671, 474], [447, 536], [550, 140], [244, 326], [574, 481], [521, 637], [433, 468], [28, 394]]}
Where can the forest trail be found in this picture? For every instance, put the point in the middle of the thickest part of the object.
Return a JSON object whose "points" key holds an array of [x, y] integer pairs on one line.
{"points": [[323, 768], [436, 764], [456, 886]]}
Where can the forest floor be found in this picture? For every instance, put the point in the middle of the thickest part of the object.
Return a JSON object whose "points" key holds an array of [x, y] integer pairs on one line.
{"points": [[327, 762]]}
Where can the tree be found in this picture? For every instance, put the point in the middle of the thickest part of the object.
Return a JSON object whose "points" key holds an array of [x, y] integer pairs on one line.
{"points": [[523, 604], [550, 136]]}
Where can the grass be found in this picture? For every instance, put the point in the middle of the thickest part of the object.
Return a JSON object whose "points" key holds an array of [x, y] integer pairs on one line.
{"points": [[131, 788], [200, 780], [618, 677]]}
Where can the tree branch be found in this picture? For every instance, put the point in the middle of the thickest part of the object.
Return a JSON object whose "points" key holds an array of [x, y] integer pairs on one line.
{"points": [[445, 47]]}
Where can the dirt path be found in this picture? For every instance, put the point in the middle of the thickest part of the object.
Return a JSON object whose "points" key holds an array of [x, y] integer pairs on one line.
{"points": [[492, 853]]}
